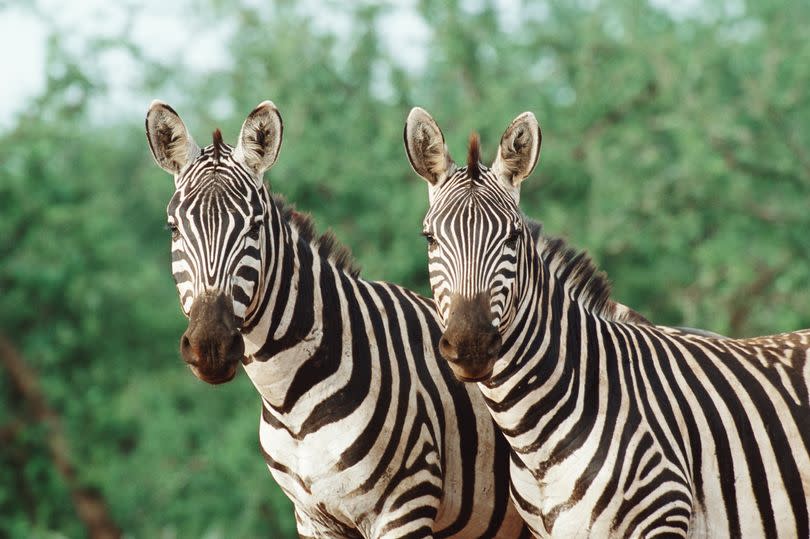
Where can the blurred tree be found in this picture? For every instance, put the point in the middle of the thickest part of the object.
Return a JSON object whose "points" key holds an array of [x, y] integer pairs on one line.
{"points": [[676, 151], [86, 296]]}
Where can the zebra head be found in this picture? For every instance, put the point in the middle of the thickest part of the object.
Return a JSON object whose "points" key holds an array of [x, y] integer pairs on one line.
{"points": [[475, 234], [217, 217]]}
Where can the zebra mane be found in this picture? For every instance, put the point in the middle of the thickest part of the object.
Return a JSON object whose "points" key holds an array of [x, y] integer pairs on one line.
{"points": [[577, 273], [217, 144], [474, 157], [327, 245]]}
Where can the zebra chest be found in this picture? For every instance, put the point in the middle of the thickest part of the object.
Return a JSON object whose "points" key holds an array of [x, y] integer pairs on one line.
{"points": [[593, 486], [602, 495], [312, 461], [308, 472]]}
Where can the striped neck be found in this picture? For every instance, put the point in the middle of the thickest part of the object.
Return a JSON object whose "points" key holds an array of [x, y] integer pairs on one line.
{"points": [[535, 285], [279, 272], [290, 327], [552, 278], [555, 313], [550, 361]]}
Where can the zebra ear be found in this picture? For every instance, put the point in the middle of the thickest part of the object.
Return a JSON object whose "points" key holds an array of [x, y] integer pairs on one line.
{"points": [[519, 150], [260, 138], [427, 152], [171, 145]]}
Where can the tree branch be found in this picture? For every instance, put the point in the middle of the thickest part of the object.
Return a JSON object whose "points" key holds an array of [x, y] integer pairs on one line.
{"points": [[778, 121], [752, 169], [89, 505], [742, 304]]}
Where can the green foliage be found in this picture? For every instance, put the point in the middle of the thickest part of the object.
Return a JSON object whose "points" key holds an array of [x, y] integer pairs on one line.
{"points": [[676, 151]]}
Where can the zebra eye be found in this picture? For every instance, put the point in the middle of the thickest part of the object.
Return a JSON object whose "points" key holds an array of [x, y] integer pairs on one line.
{"points": [[511, 241], [171, 226], [431, 239], [254, 230]]}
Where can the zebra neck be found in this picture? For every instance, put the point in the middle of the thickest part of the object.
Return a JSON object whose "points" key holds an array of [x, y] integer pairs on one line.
{"points": [[291, 330], [525, 343], [552, 340], [554, 283]]}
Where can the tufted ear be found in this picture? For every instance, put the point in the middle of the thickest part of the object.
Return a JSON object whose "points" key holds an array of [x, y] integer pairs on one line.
{"points": [[426, 149], [171, 145], [519, 150], [260, 138]]}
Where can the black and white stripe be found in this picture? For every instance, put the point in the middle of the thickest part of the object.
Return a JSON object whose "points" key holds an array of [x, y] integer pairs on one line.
{"points": [[627, 429], [216, 245], [362, 426]]}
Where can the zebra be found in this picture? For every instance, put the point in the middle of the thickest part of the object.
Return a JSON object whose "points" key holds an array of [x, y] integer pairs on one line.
{"points": [[362, 424], [628, 429]]}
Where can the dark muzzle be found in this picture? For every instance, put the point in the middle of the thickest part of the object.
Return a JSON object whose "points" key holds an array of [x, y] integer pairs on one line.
{"points": [[470, 342], [212, 344]]}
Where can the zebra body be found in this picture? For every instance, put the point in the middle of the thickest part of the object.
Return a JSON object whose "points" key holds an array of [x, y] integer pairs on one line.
{"points": [[352, 446], [628, 429], [362, 426]]}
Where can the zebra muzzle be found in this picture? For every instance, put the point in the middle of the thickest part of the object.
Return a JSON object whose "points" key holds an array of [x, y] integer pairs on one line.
{"points": [[470, 342], [212, 345]]}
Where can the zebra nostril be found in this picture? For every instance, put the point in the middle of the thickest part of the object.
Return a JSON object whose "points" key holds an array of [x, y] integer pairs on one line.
{"points": [[185, 346], [494, 345], [236, 347], [447, 350]]}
